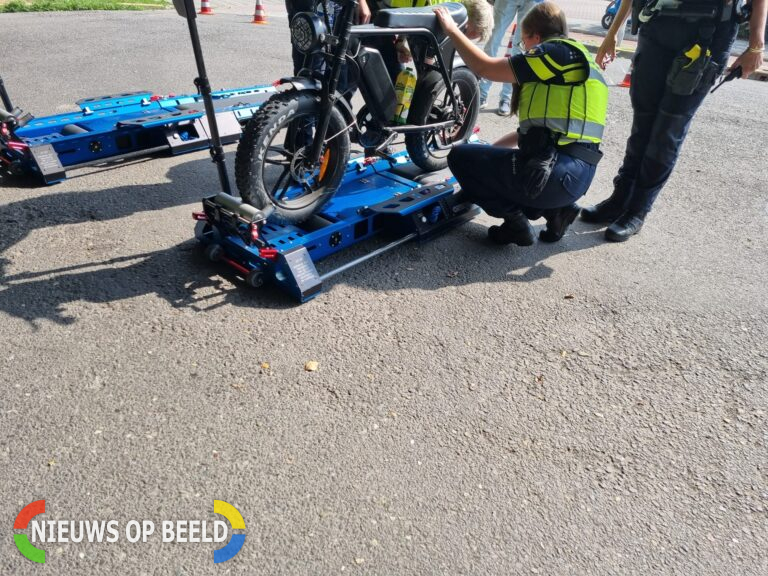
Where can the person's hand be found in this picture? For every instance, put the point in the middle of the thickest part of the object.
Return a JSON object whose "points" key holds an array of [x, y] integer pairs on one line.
{"points": [[363, 12], [403, 54], [749, 62], [607, 52], [446, 21]]}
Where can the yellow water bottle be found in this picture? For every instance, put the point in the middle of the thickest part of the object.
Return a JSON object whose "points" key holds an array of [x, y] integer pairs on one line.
{"points": [[404, 87], [410, 87]]}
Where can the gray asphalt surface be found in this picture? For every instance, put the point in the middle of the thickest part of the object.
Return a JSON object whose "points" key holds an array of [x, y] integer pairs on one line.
{"points": [[578, 408]]}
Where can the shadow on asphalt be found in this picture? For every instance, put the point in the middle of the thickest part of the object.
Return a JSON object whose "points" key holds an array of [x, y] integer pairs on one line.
{"points": [[19, 219], [183, 277], [463, 257], [179, 274]]}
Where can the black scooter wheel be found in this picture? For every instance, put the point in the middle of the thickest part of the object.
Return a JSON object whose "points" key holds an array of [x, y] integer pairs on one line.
{"points": [[269, 164], [255, 279], [431, 103], [607, 20], [214, 252]]}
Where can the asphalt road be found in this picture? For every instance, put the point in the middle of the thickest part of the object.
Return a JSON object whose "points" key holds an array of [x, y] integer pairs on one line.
{"points": [[582, 408]]}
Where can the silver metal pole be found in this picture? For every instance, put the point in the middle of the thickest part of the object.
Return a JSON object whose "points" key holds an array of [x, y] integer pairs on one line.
{"points": [[362, 259]]}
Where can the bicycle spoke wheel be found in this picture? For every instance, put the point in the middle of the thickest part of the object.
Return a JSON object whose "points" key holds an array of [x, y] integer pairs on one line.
{"points": [[271, 166]]}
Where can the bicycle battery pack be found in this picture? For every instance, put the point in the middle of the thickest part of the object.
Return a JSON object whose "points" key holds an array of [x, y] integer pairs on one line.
{"points": [[376, 85]]}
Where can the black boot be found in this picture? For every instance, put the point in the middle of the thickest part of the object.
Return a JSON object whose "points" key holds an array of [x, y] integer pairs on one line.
{"points": [[606, 211], [515, 230], [557, 222], [628, 224]]}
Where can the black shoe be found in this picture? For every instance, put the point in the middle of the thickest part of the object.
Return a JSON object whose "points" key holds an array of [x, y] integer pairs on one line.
{"points": [[626, 226], [515, 230], [605, 212], [558, 222]]}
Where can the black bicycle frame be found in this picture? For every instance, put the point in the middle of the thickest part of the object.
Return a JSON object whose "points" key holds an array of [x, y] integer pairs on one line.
{"points": [[443, 51], [331, 79]]}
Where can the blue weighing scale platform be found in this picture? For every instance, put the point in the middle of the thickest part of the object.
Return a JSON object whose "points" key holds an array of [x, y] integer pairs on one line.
{"points": [[118, 127], [387, 199]]}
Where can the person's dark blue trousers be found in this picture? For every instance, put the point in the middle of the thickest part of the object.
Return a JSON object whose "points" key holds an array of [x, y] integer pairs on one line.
{"points": [[491, 177], [661, 119]]}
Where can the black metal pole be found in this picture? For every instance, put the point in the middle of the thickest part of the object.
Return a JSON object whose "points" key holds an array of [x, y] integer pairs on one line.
{"points": [[217, 151], [4, 96]]}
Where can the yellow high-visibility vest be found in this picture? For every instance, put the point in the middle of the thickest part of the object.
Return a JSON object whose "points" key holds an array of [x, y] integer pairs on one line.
{"points": [[574, 111]]}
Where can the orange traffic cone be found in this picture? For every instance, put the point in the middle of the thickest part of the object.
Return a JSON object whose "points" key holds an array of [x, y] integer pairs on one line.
{"points": [[627, 79], [259, 14], [205, 8], [511, 45]]}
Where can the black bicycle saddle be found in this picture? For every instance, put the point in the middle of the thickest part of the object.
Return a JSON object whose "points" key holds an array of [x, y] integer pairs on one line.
{"points": [[422, 17]]}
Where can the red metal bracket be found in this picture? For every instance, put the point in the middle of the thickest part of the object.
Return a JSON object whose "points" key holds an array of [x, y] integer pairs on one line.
{"points": [[268, 253], [18, 146]]}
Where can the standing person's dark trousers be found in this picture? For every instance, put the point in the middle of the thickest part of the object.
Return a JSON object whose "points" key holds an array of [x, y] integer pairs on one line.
{"points": [[660, 122], [493, 178]]}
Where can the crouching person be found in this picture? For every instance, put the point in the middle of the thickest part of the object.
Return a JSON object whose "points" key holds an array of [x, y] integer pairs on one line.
{"points": [[560, 98]]}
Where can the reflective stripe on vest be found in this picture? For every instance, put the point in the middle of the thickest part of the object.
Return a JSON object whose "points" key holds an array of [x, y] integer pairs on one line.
{"points": [[576, 112]]}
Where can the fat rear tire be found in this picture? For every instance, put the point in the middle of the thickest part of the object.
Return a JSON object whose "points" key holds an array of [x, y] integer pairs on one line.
{"points": [[429, 100]]}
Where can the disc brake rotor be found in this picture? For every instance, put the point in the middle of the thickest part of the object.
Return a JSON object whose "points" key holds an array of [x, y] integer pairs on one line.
{"points": [[445, 112], [299, 171], [304, 174]]}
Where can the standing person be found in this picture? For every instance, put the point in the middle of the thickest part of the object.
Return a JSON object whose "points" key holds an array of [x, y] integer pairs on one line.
{"points": [[504, 12], [677, 61], [561, 101]]}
